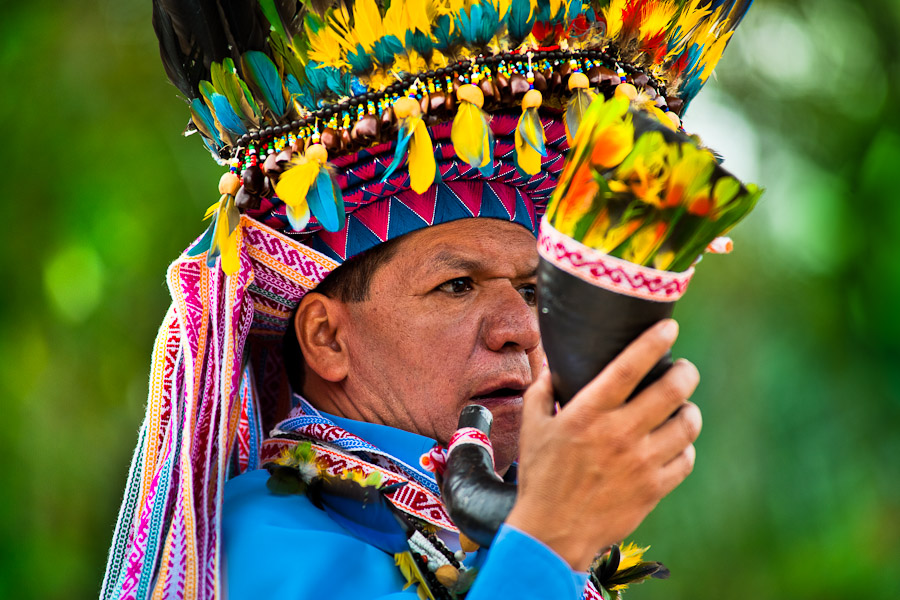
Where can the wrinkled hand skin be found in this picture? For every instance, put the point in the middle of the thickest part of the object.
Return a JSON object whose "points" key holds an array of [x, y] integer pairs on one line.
{"points": [[591, 472]]}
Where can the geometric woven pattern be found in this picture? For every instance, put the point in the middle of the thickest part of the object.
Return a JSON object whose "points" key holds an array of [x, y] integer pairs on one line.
{"points": [[381, 210]]}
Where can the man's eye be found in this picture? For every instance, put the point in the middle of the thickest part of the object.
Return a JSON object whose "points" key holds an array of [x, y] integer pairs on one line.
{"points": [[529, 294], [456, 286]]}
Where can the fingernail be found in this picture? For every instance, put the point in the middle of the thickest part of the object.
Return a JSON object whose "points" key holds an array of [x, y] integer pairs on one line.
{"points": [[668, 329]]}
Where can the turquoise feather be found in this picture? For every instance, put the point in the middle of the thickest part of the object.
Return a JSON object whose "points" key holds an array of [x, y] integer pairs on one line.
{"points": [[326, 201], [518, 22], [261, 73], [226, 115], [203, 121], [404, 135], [203, 244]]}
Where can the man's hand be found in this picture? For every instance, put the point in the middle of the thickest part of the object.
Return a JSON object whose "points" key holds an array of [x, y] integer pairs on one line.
{"points": [[591, 473]]}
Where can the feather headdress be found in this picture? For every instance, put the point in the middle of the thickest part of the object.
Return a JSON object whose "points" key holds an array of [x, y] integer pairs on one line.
{"points": [[270, 80]]}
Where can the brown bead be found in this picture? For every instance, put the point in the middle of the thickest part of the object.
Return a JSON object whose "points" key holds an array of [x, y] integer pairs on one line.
{"points": [[650, 92], [253, 179], [594, 76], [518, 86], [297, 146], [450, 103], [447, 575], [502, 83], [388, 125], [675, 104], [540, 82], [565, 70], [346, 142], [437, 104], [555, 82], [467, 544], [331, 139], [244, 200], [284, 155], [491, 95], [608, 77], [270, 165], [640, 80], [365, 131]]}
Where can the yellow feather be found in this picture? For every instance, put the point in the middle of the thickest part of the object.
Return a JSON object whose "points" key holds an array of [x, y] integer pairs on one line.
{"points": [[613, 15], [469, 135], [528, 158], [294, 183], [367, 20], [422, 164], [712, 55]]}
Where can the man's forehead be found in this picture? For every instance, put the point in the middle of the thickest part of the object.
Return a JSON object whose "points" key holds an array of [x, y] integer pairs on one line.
{"points": [[474, 245]]}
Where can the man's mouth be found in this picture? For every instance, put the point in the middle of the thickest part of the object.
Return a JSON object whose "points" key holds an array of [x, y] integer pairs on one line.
{"points": [[499, 395]]}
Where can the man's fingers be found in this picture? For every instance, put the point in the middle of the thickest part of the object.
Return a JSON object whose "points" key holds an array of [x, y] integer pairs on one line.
{"points": [[653, 406], [677, 433], [613, 385], [677, 469], [538, 400]]}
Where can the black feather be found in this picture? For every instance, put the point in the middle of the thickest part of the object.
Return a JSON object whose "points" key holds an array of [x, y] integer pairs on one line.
{"points": [[195, 33]]}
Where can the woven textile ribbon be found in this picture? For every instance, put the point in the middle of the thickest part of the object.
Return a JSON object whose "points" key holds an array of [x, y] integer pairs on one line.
{"points": [[218, 381]]}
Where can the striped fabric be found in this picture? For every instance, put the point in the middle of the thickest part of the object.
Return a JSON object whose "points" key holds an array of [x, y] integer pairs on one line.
{"points": [[218, 383]]}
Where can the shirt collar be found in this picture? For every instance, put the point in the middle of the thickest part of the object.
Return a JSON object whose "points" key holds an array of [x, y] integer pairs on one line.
{"points": [[406, 446]]}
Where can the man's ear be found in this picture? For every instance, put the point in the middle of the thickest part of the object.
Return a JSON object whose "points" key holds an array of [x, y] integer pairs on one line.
{"points": [[320, 325]]}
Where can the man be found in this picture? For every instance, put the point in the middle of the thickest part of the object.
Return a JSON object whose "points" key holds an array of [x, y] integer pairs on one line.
{"points": [[388, 165], [452, 310]]}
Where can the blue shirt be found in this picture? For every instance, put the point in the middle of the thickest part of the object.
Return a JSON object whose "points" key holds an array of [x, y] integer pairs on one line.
{"points": [[285, 547]]}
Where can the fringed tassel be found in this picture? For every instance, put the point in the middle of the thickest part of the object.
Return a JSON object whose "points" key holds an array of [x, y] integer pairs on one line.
{"points": [[413, 135], [530, 137], [310, 187], [471, 133], [223, 238], [581, 99]]}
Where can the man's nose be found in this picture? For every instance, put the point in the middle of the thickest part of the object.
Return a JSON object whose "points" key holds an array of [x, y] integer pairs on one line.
{"points": [[510, 322]]}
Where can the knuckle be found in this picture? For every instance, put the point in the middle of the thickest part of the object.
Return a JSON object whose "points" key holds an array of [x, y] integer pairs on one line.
{"points": [[625, 372]]}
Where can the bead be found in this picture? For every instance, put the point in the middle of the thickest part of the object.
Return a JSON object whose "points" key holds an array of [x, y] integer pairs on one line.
{"points": [[532, 99], [626, 90], [578, 81], [284, 156], [518, 87], [365, 130], [270, 166], [675, 119], [317, 152], [331, 139], [406, 107], [244, 200], [447, 575], [467, 544], [253, 179], [459, 555], [229, 184], [471, 93]]}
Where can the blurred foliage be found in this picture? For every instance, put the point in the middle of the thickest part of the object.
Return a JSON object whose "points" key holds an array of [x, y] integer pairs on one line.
{"points": [[796, 492]]}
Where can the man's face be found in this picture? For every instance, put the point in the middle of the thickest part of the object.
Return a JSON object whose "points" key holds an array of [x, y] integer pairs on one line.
{"points": [[450, 320]]}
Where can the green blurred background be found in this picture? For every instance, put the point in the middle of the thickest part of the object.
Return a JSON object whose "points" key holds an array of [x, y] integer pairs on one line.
{"points": [[796, 491]]}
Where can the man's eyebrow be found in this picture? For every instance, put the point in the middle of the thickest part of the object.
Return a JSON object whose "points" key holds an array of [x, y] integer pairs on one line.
{"points": [[454, 262]]}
